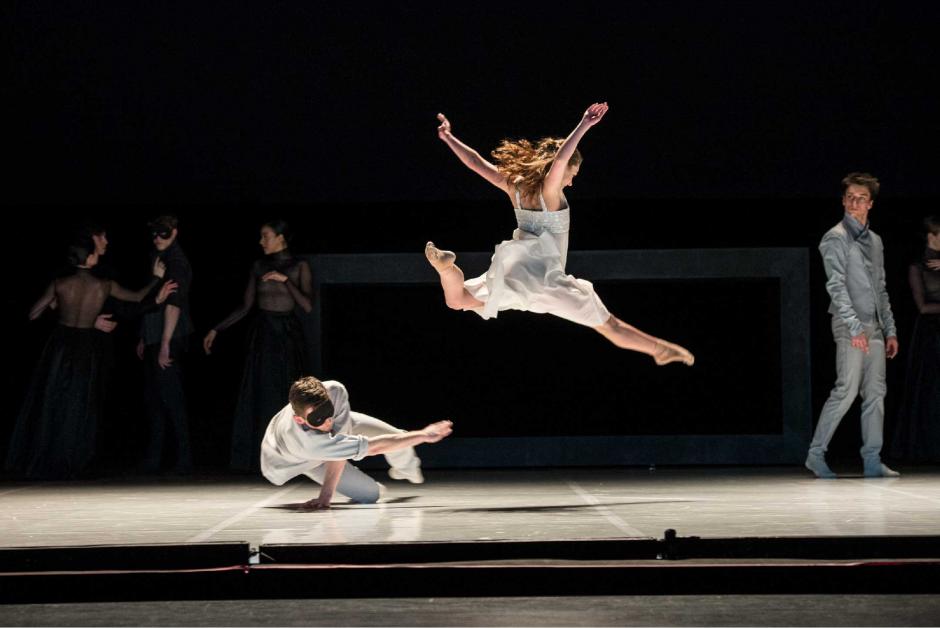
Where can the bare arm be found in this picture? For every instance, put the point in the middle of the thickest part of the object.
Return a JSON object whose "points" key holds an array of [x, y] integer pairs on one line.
{"points": [[334, 471], [171, 316], [916, 279], [136, 296], [470, 157], [556, 174], [390, 442], [47, 298]]}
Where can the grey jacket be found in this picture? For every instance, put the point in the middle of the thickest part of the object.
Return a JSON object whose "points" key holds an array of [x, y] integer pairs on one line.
{"points": [[853, 256]]}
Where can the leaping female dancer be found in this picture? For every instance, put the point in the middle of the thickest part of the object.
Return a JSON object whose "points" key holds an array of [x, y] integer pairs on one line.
{"points": [[528, 272]]}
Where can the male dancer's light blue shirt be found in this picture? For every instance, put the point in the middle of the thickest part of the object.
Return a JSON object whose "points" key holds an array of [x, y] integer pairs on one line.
{"points": [[853, 257]]}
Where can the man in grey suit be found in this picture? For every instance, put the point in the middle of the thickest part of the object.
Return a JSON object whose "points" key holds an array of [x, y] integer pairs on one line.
{"points": [[862, 326]]}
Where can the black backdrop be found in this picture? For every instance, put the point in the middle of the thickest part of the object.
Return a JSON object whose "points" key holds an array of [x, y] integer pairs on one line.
{"points": [[730, 125]]}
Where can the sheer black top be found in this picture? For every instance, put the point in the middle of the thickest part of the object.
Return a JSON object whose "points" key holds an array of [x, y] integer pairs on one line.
{"points": [[272, 295]]}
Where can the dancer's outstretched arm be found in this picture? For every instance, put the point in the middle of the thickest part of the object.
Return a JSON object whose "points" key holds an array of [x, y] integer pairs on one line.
{"points": [[391, 442], [45, 301], [121, 293], [556, 174], [470, 157], [248, 303]]}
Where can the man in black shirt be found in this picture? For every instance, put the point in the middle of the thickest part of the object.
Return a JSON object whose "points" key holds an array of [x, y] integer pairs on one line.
{"points": [[165, 333]]}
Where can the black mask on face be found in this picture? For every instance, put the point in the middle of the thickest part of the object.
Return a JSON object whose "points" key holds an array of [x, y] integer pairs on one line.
{"points": [[321, 413], [162, 233]]}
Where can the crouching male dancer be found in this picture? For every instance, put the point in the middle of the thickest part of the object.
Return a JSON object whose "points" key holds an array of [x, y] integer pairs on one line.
{"points": [[316, 435]]}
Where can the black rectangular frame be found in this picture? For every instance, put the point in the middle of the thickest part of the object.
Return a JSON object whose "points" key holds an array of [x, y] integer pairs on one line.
{"points": [[788, 265]]}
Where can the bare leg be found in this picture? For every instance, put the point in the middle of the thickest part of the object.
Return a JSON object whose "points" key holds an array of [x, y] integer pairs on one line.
{"points": [[629, 337], [455, 294]]}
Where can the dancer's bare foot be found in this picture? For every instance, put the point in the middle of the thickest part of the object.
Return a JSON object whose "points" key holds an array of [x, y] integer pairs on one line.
{"points": [[440, 260], [667, 352]]}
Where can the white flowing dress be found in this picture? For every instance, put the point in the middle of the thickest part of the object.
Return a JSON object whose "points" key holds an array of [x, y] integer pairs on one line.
{"points": [[528, 272]]}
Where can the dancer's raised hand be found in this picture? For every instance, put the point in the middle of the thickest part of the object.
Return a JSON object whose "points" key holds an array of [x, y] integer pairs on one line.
{"points": [[273, 275], [594, 113], [469, 156], [438, 431], [444, 129], [159, 268]]}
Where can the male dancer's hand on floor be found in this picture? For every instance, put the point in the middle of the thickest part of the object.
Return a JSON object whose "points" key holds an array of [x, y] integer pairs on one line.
{"points": [[318, 503]]}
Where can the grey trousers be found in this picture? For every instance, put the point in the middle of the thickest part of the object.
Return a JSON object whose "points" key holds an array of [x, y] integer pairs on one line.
{"points": [[857, 373], [355, 484]]}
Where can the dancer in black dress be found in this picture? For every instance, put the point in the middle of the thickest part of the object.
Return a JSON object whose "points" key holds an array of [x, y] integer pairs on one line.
{"points": [[278, 284], [54, 437], [917, 433]]}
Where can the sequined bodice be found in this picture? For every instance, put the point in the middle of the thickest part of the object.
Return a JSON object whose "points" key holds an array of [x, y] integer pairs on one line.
{"points": [[538, 222]]}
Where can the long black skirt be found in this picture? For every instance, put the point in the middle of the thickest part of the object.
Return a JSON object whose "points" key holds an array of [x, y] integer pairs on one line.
{"points": [[917, 433], [275, 360], [55, 431]]}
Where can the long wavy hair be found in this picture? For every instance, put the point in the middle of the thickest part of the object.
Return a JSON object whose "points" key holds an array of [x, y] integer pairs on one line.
{"points": [[525, 164]]}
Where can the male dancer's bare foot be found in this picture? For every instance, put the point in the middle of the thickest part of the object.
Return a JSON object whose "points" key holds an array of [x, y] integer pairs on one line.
{"points": [[667, 352], [440, 260]]}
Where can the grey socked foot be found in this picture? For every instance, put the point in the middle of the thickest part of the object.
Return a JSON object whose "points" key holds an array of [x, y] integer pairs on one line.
{"points": [[667, 352], [440, 260], [820, 469], [880, 470]]}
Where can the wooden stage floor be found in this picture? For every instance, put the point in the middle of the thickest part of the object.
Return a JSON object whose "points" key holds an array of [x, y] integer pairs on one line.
{"points": [[474, 505]]}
